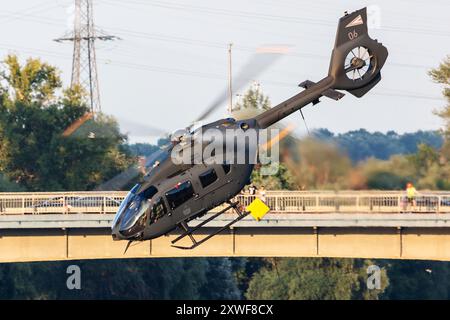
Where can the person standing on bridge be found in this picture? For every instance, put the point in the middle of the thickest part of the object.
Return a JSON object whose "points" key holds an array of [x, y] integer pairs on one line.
{"points": [[252, 190], [411, 193], [262, 194]]}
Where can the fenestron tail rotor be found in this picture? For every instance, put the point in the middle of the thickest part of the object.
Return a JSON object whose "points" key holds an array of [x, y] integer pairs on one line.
{"points": [[358, 63], [357, 59]]}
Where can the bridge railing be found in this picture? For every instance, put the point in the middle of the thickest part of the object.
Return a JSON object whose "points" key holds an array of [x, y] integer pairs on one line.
{"points": [[352, 203], [66, 203], [278, 201]]}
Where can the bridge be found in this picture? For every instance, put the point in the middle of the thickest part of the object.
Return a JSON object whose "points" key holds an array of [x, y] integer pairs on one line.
{"points": [[356, 224]]}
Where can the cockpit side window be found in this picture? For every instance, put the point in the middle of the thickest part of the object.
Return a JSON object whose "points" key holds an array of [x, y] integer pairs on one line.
{"points": [[149, 192], [208, 177], [226, 168], [158, 211], [180, 194]]}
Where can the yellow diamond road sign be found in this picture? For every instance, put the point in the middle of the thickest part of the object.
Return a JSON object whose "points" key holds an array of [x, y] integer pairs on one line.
{"points": [[258, 209]]}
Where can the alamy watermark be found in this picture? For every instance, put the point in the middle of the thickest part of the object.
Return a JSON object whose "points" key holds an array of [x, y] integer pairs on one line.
{"points": [[374, 17], [374, 277], [230, 146], [73, 281]]}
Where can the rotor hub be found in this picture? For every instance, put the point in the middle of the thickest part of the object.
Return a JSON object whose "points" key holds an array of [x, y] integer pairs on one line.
{"points": [[358, 63]]}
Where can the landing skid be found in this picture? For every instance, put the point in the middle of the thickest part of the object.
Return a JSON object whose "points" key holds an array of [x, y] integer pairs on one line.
{"points": [[188, 231]]}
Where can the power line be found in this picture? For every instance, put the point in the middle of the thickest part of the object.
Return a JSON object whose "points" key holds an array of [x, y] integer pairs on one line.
{"points": [[208, 75], [219, 45], [11, 16], [210, 44], [266, 17]]}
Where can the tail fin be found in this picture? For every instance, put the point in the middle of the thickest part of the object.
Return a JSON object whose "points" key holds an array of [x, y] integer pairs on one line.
{"points": [[357, 59], [355, 66]]}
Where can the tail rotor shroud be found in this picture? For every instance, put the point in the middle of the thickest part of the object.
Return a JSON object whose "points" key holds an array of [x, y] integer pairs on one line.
{"points": [[357, 59], [355, 66]]}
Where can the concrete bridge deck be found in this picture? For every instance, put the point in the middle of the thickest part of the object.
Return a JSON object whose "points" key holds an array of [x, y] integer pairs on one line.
{"points": [[53, 227]]}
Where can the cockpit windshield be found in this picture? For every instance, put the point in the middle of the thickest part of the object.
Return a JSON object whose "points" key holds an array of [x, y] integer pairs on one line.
{"points": [[124, 203], [137, 208], [131, 216]]}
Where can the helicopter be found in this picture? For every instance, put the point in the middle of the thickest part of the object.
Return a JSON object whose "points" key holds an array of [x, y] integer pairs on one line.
{"points": [[177, 192]]}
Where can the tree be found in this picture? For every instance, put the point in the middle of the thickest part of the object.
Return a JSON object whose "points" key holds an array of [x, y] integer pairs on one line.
{"points": [[282, 180], [184, 278], [7, 186], [253, 99], [361, 145], [417, 280], [33, 150], [35, 82], [251, 103], [384, 180], [321, 165], [142, 149], [220, 282], [313, 279], [441, 75]]}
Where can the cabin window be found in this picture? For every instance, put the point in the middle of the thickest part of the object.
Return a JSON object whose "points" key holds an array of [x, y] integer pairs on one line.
{"points": [[180, 194], [149, 192], [158, 211], [226, 168], [208, 177]]}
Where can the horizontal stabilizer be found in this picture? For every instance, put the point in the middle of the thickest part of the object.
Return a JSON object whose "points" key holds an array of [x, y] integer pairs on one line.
{"points": [[329, 93]]}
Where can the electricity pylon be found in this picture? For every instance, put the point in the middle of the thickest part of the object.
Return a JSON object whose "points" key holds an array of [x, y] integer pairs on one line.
{"points": [[84, 64]]}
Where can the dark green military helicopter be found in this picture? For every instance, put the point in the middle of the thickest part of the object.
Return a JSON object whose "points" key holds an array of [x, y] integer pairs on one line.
{"points": [[175, 193]]}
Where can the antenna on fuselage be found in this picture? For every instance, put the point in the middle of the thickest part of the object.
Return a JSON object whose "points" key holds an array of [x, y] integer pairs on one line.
{"points": [[230, 80], [304, 120]]}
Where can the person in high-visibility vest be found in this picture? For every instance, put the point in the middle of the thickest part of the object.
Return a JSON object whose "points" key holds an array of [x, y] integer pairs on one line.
{"points": [[411, 193]]}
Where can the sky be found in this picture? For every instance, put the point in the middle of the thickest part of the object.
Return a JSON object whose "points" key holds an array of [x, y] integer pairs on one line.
{"points": [[171, 61]]}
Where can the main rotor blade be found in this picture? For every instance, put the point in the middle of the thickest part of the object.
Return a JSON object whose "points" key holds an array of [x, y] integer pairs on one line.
{"points": [[140, 129], [260, 61], [122, 179], [279, 137], [83, 126]]}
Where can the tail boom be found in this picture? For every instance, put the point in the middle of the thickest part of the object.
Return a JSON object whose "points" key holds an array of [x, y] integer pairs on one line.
{"points": [[355, 66]]}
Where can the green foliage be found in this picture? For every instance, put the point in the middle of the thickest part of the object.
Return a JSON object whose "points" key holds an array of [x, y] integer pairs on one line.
{"points": [[282, 180], [244, 269], [321, 165], [441, 75], [7, 186], [383, 180], [423, 168], [142, 149], [312, 279], [253, 99], [425, 157], [35, 82], [220, 281], [361, 145], [417, 280], [33, 150], [193, 278]]}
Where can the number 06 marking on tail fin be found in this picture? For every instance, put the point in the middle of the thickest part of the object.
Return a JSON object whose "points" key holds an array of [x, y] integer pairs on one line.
{"points": [[353, 35]]}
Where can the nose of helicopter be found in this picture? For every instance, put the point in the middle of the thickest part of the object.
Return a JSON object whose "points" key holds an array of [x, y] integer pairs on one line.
{"points": [[115, 233], [129, 222], [119, 232]]}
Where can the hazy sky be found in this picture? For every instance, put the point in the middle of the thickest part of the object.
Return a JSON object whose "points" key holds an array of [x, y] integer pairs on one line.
{"points": [[172, 59]]}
